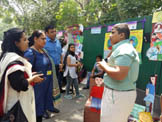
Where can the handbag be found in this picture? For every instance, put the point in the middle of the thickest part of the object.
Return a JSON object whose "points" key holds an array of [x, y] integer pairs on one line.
{"points": [[16, 114]]}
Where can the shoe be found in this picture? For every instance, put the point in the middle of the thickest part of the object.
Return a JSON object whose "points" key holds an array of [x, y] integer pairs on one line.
{"points": [[69, 97], [78, 96], [85, 87], [71, 91], [62, 91], [46, 115], [55, 110], [51, 114]]}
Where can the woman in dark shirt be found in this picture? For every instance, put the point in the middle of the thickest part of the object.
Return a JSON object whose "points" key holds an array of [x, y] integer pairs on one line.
{"points": [[16, 78]]}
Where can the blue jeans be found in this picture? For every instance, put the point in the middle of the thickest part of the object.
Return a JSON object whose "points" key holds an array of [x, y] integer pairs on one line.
{"points": [[70, 82]]}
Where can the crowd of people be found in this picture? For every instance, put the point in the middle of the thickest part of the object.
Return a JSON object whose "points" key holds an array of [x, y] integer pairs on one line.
{"points": [[36, 85]]}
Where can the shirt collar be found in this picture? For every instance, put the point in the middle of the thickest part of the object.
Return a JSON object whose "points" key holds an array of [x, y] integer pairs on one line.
{"points": [[119, 43], [48, 39]]}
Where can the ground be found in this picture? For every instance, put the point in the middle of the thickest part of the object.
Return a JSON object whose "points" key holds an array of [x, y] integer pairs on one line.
{"points": [[70, 110]]}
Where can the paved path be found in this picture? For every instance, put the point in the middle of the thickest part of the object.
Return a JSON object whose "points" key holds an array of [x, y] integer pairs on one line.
{"points": [[70, 110]]}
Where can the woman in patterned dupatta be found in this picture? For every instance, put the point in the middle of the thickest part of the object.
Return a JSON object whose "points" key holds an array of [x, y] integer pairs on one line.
{"points": [[16, 78]]}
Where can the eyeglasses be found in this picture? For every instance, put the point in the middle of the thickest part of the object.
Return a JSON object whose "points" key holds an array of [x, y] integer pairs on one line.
{"points": [[72, 47]]}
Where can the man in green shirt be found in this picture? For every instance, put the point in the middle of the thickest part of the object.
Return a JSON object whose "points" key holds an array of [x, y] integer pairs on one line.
{"points": [[121, 73]]}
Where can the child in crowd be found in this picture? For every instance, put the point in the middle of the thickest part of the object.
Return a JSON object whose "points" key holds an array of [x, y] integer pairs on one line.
{"points": [[96, 71], [71, 65]]}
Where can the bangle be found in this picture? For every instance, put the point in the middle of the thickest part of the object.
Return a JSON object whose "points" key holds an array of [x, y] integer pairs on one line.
{"points": [[32, 83]]}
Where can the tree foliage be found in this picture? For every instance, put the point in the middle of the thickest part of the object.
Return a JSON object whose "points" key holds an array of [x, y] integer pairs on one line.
{"points": [[31, 14], [36, 14], [67, 14]]}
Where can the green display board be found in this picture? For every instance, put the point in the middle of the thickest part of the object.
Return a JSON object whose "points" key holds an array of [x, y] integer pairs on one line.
{"points": [[93, 45]]}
